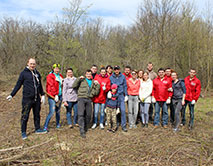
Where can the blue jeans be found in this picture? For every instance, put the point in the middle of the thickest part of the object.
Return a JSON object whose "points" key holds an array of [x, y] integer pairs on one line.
{"points": [[191, 112], [71, 105], [121, 105], [145, 112], [158, 105], [96, 110], [53, 108]]}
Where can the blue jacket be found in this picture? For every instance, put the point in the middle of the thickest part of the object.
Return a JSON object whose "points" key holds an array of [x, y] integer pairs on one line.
{"points": [[32, 86], [113, 102], [120, 81]]}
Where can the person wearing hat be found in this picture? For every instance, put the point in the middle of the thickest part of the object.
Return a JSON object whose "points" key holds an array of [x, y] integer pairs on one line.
{"points": [[30, 78], [119, 79], [54, 92], [111, 106]]}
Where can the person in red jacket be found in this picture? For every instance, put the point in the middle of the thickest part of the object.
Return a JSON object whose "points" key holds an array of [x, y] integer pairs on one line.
{"points": [[161, 96], [100, 100], [168, 74], [54, 92], [193, 88], [127, 72]]}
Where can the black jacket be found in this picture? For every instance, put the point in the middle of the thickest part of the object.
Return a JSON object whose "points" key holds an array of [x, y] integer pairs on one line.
{"points": [[178, 89], [32, 86]]}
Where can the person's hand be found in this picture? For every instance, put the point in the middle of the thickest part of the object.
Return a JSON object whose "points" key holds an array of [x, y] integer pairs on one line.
{"points": [[126, 98], [170, 90], [56, 98], [109, 95], [65, 104], [105, 110], [96, 82], [193, 102], [153, 100], [183, 102], [168, 101], [9, 98], [117, 111], [43, 99], [81, 77], [104, 88]]}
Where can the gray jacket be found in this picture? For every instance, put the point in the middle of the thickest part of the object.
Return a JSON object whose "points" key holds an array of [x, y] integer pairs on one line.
{"points": [[69, 94]]}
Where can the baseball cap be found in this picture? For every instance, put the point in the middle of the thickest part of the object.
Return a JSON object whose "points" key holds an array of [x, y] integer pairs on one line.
{"points": [[116, 67]]}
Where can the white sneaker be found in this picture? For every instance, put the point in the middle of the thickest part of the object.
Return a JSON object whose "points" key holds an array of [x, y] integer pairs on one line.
{"points": [[101, 126], [94, 126], [106, 123]]}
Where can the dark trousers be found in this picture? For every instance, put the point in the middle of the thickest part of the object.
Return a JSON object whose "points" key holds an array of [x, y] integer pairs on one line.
{"points": [[27, 105], [177, 107], [172, 113], [151, 112], [84, 113]]}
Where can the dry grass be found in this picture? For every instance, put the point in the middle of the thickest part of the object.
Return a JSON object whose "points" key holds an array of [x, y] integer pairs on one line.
{"points": [[136, 147]]}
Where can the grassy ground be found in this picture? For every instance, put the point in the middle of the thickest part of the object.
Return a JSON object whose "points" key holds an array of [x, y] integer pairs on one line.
{"points": [[139, 146]]}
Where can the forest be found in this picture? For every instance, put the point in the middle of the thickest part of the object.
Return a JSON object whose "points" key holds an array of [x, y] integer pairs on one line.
{"points": [[169, 33]]}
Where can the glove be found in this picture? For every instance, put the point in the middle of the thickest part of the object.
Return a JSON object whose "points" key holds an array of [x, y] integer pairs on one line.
{"points": [[117, 111], [96, 82], [193, 102], [153, 100], [126, 98], [56, 98], [105, 110], [109, 95], [168, 101], [104, 88], [9, 97], [43, 99]]}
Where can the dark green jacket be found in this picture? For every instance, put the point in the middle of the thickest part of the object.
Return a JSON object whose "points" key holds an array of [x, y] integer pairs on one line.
{"points": [[84, 91]]}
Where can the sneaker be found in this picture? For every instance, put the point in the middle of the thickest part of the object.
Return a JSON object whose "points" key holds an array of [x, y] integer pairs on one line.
{"points": [[143, 125], [156, 126], [175, 130], [40, 131], [71, 126], [146, 125], [106, 123], [130, 127], [76, 125], [94, 126], [134, 126], [45, 130], [124, 129], [24, 136], [58, 126], [190, 127], [101, 126]]}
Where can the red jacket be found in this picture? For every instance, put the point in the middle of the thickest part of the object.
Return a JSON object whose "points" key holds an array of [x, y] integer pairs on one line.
{"points": [[101, 98], [169, 77], [133, 88], [193, 88], [52, 86], [160, 89], [127, 77]]}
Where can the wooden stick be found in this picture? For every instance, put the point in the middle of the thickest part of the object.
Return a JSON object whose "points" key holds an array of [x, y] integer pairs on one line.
{"points": [[12, 148]]}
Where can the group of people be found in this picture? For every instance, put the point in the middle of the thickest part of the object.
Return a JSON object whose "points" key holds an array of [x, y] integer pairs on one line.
{"points": [[109, 92]]}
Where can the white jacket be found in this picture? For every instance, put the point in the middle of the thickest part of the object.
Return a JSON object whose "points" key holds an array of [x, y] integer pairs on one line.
{"points": [[146, 91]]}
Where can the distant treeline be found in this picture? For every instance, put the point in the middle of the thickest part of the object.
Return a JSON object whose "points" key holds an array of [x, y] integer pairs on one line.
{"points": [[168, 33]]}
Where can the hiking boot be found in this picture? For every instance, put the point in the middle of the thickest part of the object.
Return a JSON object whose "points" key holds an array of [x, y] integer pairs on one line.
{"points": [[94, 126], [101, 126], [40, 131], [165, 126], [24, 136]]}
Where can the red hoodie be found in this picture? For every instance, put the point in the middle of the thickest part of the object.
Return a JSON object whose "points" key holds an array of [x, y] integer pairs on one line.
{"points": [[101, 98], [160, 88], [193, 88], [52, 86], [127, 77]]}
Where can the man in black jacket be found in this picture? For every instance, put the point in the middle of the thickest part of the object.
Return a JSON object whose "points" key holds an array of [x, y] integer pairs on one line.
{"points": [[32, 89]]}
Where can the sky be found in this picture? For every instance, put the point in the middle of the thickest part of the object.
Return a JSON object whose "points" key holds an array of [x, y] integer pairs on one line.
{"points": [[113, 12]]}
